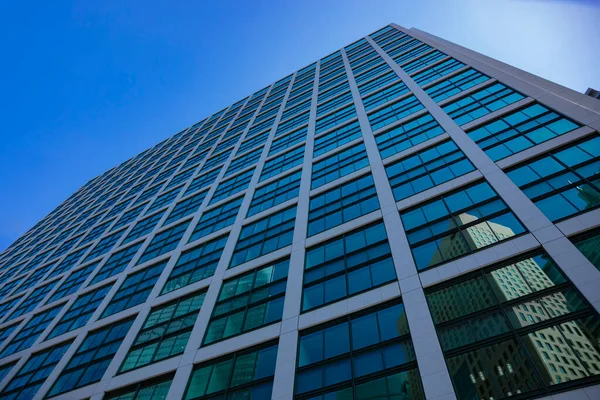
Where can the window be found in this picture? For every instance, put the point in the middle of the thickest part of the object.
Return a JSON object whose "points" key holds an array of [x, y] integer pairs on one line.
{"points": [[415, 52], [181, 177], [338, 165], [288, 141], [244, 161], [216, 219], [116, 263], [292, 123], [300, 94], [92, 358], [135, 289], [437, 71], [88, 223], [31, 331], [80, 311], [407, 42], [336, 74], [426, 169], [33, 300], [5, 369], [564, 182], [254, 129], [8, 305], [7, 331], [334, 103], [164, 200], [271, 110], [165, 332], [95, 233], [423, 61], [186, 207], [129, 216], [336, 118], [480, 103], [384, 35], [137, 188], [520, 130], [104, 245], [458, 223], [153, 389], [148, 194], [347, 265], [206, 145], [165, 174], [8, 287], [366, 84], [276, 192], [246, 374], [248, 302], [385, 95], [253, 141], [394, 40], [282, 163], [216, 160], [515, 326], [368, 65], [456, 84], [368, 355], [33, 374], [589, 246], [342, 87], [119, 207], [195, 264], [163, 242], [342, 204], [336, 138], [35, 277], [202, 181], [226, 143], [144, 227], [394, 112], [195, 160], [232, 186], [293, 110], [69, 261], [265, 236]]}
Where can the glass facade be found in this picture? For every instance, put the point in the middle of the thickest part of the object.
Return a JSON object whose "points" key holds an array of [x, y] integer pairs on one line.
{"points": [[362, 356], [517, 328], [564, 182], [287, 245]]}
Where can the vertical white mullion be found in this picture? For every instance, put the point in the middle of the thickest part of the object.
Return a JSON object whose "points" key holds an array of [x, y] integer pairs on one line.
{"points": [[285, 366], [432, 366]]}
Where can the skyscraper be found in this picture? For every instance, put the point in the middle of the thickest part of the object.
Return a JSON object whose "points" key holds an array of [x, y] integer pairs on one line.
{"points": [[402, 219]]}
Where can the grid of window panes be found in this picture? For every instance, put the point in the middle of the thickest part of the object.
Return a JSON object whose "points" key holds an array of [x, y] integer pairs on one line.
{"points": [[426, 169], [165, 332], [520, 130], [153, 389], [525, 313], [244, 374], [347, 265], [247, 302], [182, 219], [458, 223], [341, 204], [361, 356], [564, 182]]}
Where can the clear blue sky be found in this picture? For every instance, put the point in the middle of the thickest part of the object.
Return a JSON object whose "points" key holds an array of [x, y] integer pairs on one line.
{"points": [[89, 84]]}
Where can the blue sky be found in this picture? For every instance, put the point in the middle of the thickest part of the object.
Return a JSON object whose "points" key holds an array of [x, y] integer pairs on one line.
{"points": [[87, 85]]}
